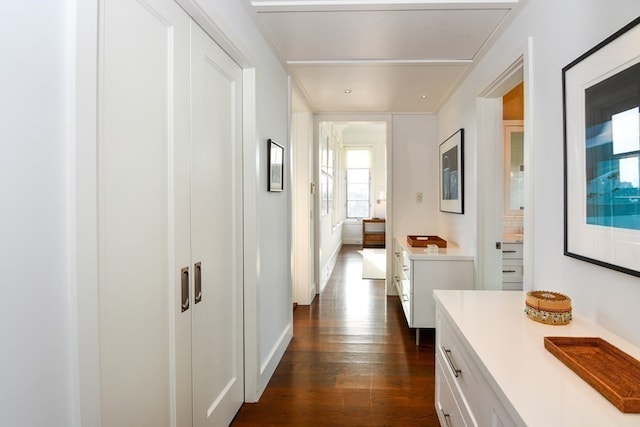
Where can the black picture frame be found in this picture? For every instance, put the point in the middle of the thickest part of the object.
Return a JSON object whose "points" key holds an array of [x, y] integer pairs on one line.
{"points": [[275, 154], [451, 173], [601, 118]]}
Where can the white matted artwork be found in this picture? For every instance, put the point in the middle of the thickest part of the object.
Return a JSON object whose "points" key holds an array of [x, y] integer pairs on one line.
{"points": [[602, 153], [452, 173]]}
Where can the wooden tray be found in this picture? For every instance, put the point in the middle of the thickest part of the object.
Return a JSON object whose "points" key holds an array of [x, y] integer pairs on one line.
{"points": [[423, 241], [612, 372]]}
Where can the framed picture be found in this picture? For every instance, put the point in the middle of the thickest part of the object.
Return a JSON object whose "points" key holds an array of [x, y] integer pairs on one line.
{"points": [[452, 173], [276, 166], [602, 153]]}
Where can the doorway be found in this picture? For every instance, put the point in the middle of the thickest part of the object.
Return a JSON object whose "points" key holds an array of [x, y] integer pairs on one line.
{"points": [[339, 210], [498, 223]]}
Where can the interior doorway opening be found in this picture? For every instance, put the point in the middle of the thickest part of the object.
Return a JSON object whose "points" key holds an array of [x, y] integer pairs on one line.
{"points": [[505, 163], [351, 176]]}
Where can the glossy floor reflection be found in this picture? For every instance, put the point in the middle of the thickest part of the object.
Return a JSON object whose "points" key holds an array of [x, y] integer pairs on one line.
{"points": [[353, 361]]}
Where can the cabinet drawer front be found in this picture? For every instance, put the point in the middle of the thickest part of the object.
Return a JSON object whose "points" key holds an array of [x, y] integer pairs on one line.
{"points": [[402, 266], [398, 284], [451, 407], [405, 298], [511, 273], [374, 237], [460, 366], [512, 251]]}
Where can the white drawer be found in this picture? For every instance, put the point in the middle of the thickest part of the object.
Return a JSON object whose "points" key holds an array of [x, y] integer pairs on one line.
{"points": [[405, 298], [402, 266], [450, 406], [398, 284], [512, 286], [512, 251], [512, 271], [460, 366]]}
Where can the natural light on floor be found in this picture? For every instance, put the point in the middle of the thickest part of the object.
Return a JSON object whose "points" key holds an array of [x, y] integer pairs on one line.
{"points": [[373, 263]]}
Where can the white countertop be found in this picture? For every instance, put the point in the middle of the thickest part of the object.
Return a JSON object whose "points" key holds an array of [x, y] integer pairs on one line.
{"points": [[540, 387], [451, 252]]}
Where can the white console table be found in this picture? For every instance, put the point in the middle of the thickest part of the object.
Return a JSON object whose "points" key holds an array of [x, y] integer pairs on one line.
{"points": [[416, 273], [492, 368]]}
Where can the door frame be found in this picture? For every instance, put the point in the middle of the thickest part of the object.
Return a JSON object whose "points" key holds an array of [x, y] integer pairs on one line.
{"points": [[355, 117], [303, 186], [83, 194], [490, 168]]}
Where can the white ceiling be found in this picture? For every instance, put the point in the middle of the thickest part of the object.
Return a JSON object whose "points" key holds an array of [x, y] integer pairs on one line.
{"points": [[389, 53]]}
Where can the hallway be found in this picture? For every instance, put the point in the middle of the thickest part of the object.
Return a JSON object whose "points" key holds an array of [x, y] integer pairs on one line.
{"points": [[352, 361]]}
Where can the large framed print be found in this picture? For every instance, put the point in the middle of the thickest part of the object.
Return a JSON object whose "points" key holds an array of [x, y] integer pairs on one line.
{"points": [[602, 153], [452, 173]]}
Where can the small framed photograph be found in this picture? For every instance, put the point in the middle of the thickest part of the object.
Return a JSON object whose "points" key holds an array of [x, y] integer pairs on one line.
{"points": [[452, 173], [276, 166], [602, 153]]}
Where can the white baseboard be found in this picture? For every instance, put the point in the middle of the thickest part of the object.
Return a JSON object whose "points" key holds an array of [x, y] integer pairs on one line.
{"points": [[351, 241], [271, 363], [327, 269]]}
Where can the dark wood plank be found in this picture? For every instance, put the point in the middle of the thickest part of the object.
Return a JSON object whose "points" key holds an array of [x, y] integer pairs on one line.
{"points": [[352, 361]]}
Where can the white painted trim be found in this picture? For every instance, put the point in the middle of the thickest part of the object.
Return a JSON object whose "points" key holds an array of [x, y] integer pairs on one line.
{"points": [[217, 29], [389, 232], [529, 170], [83, 223], [327, 269], [351, 241], [519, 68], [332, 5], [275, 355], [251, 235], [489, 174], [302, 256], [381, 61]]}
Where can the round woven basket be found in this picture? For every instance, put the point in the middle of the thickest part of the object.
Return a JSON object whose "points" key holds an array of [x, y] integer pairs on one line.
{"points": [[548, 307]]}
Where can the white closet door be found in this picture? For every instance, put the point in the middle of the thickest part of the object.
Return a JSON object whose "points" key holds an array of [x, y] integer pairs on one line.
{"points": [[216, 230], [143, 208]]}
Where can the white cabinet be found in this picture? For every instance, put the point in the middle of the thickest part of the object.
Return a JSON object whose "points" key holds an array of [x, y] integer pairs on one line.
{"points": [[492, 368], [469, 396], [512, 263], [169, 208], [416, 273]]}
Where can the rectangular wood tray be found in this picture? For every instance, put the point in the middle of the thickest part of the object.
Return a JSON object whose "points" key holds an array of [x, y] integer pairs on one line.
{"points": [[612, 372], [423, 241]]}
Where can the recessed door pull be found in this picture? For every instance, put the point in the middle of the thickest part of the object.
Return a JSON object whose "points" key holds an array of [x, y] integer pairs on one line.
{"points": [[198, 283], [184, 284]]}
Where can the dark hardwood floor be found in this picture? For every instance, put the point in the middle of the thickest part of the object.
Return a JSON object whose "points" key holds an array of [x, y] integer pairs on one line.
{"points": [[353, 361]]}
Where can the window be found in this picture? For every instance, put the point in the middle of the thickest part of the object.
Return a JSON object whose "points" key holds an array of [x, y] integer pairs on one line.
{"points": [[358, 177]]}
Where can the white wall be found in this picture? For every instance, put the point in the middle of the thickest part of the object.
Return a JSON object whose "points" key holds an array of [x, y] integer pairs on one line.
{"points": [[415, 166], [561, 31], [37, 355]]}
